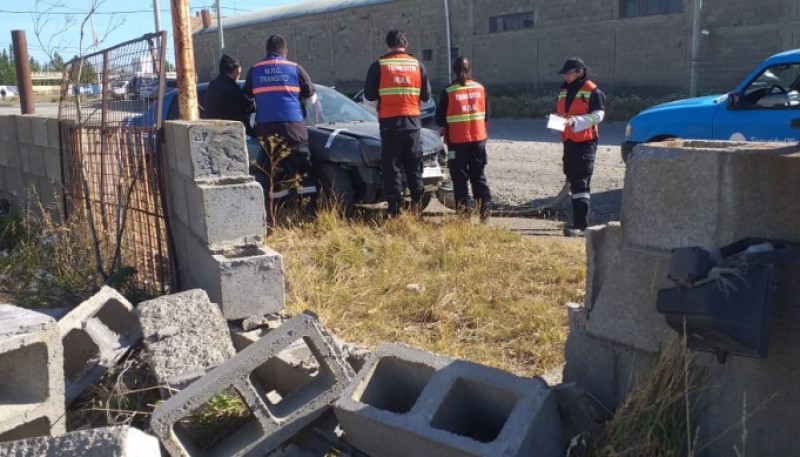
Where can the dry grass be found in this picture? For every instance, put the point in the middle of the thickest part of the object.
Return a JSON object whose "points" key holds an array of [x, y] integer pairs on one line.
{"points": [[657, 417], [466, 290]]}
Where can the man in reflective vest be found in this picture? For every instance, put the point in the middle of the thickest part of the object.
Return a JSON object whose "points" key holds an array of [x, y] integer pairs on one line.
{"points": [[397, 82], [583, 105], [282, 90], [462, 112]]}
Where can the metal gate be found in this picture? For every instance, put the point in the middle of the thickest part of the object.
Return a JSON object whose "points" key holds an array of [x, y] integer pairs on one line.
{"points": [[109, 117]]}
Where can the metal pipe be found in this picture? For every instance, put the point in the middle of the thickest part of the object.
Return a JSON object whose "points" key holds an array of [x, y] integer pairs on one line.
{"points": [[447, 40], [220, 35], [184, 60], [157, 16], [697, 7], [23, 66]]}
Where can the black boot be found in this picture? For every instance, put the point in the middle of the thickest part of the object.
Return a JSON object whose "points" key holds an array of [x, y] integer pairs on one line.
{"points": [[580, 217]]}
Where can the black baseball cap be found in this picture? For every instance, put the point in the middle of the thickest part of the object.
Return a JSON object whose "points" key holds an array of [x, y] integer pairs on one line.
{"points": [[573, 63]]}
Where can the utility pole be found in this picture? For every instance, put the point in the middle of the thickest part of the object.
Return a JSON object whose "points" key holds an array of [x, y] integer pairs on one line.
{"points": [[23, 67], [157, 16], [447, 55], [697, 8], [219, 31], [184, 60]]}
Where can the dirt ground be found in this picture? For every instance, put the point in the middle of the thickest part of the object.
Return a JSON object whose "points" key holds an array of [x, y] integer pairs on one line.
{"points": [[524, 170]]}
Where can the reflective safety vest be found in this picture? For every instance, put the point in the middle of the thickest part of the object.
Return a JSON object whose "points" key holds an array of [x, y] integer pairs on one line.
{"points": [[466, 113], [276, 87], [399, 87], [579, 106]]}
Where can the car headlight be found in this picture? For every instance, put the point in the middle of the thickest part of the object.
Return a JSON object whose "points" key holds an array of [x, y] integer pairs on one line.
{"points": [[628, 131]]}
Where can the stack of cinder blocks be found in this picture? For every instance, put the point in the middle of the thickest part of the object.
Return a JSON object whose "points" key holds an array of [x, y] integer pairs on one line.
{"points": [[408, 402], [275, 412], [31, 375], [218, 219]]}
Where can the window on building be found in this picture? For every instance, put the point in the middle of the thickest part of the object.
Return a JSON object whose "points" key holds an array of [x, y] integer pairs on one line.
{"points": [[638, 8], [510, 22], [427, 55]]}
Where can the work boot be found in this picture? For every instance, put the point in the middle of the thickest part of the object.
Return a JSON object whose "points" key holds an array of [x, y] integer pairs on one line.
{"points": [[485, 211], [580, 217]]}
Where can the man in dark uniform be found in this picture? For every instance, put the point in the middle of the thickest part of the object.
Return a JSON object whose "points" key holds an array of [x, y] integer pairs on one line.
{"points": [[397, 82], [583, 105], [281, 89], [225, 99]]}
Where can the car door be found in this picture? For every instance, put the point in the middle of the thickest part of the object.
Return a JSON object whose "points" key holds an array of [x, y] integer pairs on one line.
{"points": [[767, 109]]}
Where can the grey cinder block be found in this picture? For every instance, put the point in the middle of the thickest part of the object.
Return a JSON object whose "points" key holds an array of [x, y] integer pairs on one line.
{"points": [[24, 129], [209, 150], [273, 416], [39, 131], [31, 375], [8, 128], [185, 335], [95, 335], [223, 212], [410, 402], [244, 279], [122, 441]]}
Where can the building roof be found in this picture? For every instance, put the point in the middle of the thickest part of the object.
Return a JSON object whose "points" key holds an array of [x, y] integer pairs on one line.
{"points": [[290, 11]]}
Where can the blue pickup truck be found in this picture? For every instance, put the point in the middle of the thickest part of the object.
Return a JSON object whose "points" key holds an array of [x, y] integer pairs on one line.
{"points": [[765, 106]]}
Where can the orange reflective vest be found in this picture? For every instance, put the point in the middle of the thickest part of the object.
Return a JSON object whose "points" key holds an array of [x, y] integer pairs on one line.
{"points": [[578, 107], [399, 87], [466, 113]]}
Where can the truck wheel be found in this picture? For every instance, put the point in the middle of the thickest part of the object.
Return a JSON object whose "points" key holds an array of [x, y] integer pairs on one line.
{"points": [[336, 189]]}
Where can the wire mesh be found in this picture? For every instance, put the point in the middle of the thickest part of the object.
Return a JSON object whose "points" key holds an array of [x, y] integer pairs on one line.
{"points": [[110, 116]]}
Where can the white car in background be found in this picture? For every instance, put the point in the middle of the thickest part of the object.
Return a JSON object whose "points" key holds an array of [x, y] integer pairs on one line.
{"points": [[8, 92]]}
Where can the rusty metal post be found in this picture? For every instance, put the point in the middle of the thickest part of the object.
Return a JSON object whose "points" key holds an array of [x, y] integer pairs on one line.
{"points": [[184, 60], [23, 66]]}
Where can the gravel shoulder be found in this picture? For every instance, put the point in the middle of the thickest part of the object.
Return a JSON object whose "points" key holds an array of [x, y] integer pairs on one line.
{"points": [[524, 170]]}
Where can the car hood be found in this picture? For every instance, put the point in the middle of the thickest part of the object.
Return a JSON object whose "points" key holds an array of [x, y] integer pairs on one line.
{"points": [[431, 142], [709, 101]]}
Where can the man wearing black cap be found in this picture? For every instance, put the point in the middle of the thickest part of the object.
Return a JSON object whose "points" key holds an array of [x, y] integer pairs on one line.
{"points": [[225, 99], [583, 106]]}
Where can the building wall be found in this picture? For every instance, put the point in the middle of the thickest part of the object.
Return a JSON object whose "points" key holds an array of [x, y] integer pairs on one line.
{"points": [[644, 53]]}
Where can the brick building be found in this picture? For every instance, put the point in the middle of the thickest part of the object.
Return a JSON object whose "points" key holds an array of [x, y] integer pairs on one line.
{"points": [[629, 44]]}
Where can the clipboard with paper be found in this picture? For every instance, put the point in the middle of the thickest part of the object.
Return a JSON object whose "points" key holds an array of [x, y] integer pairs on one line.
{"points": [[556, 122]]}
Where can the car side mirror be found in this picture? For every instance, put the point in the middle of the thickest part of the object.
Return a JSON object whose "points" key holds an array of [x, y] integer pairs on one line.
{"points": [[733, 100]]}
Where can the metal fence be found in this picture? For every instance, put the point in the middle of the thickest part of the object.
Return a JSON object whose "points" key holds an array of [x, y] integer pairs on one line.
{"points": [[110, 116]]}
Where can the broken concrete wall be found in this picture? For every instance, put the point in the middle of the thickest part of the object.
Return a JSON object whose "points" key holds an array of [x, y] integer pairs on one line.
{"points": [[31, 375], [706, 194], [30, 162], [272, 416], [218, 219]]}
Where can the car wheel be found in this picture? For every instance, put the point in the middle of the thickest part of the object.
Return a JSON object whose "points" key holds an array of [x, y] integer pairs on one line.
{"points": [[336, 189]]}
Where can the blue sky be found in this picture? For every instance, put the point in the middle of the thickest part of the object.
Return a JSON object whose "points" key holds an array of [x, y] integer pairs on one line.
{"points": [[127, 19]]}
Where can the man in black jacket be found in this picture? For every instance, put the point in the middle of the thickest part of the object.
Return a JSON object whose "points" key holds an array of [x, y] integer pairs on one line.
{"points": [[225, 99]]}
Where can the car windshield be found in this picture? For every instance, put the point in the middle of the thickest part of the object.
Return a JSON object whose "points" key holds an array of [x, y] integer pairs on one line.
{"points": [[332, 106]]}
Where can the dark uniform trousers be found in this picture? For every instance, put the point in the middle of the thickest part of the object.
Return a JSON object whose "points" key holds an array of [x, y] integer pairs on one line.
{"points": [[287, 172], [401, 155], [578, 167], [468, 167]]}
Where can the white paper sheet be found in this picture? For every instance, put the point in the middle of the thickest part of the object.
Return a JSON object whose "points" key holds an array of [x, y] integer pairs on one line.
{"points": [[556, 122]]}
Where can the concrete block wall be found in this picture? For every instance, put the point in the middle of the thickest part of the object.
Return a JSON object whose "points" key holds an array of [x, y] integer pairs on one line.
{"points": [[218, 219], [30, 162], [122, 441], [95, 335], [273, 416], [650, 52], [406, 401], [31, 375], [707, 194]]}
